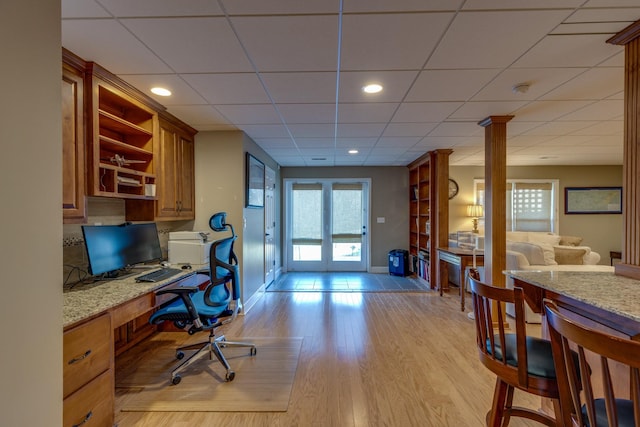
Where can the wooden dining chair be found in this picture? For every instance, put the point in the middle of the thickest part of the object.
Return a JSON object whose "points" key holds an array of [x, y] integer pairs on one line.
{"points": [[584, 408], [519, 361]]}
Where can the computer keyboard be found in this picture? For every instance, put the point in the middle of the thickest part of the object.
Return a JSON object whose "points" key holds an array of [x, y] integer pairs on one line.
{"points": [[158, 275]]}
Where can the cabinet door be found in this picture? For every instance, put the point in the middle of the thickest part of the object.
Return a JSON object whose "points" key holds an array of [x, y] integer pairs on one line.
{"points": [[73, 161], [167, 188], [187, 179]]}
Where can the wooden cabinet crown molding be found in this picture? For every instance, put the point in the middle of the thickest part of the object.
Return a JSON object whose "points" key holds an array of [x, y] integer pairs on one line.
{"points": [[95, 69]]}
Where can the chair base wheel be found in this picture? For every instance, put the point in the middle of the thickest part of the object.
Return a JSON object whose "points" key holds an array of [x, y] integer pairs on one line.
{"points": [[176, 380], [230, 376]]}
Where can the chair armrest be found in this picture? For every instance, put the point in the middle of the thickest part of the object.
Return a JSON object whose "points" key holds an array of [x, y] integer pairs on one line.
{"points": [[184, 292]]}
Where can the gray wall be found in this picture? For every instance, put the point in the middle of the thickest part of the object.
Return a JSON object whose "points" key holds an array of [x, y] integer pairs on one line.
{"points": [[31, 171], [602, 232], [220, 186], [389, 199]]}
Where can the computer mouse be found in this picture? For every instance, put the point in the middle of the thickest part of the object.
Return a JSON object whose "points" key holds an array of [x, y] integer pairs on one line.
{"points": [[186, 267], [165, 264]]}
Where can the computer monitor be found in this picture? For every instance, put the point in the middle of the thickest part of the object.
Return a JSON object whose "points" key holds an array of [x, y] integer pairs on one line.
{"points": [[111, 248]]}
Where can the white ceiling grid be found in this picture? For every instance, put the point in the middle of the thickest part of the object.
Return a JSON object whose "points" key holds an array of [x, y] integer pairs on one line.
{"points": [[289, 73]]}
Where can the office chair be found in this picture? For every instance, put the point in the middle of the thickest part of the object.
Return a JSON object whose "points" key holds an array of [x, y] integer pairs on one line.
{"points": [[519, 361], [196, 310], [610, 353]]}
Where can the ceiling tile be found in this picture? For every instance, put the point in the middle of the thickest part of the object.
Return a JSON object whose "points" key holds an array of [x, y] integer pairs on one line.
{"points": [[390, 41], [301, 87], [308, 113], [82, 9], [198, 115], [540, 81], [181, 92], [584, 50], [290, 43], [425, 111], [472, 34], [250, 114], [448, 85], [594, 84], [236, 88], [400, 5], [280, 7], [408, 129], [477, 111], [107, 43], [212, 45], [128, 8], [366, 112]]}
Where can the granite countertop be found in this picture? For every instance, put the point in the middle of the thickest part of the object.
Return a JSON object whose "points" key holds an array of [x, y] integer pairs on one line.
{"points": [[605, 290], [85, 300]]}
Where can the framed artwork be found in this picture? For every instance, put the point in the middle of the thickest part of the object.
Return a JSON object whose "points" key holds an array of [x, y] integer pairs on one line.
{"points": [[254, 197], [592, 200]]}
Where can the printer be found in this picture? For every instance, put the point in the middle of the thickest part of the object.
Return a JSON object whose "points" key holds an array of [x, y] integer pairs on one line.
{"points": [[189, 247]]}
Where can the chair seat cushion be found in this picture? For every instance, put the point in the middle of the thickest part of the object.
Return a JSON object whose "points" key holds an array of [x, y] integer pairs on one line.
{"points": [[539, 355], [625, 413], [176, 310]]}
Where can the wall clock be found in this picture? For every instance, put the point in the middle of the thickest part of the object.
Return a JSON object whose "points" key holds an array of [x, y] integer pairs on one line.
{"points": [[453, 189]]}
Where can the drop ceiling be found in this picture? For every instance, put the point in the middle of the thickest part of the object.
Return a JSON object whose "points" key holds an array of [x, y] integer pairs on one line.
{"points": [[289, 73]]}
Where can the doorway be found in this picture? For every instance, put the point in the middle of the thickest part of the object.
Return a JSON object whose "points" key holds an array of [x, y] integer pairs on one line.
{"points": [[327, 223]]}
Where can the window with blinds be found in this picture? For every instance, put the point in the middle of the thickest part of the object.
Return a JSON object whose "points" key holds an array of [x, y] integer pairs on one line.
{"points": [[307, 223], [531, 205]]}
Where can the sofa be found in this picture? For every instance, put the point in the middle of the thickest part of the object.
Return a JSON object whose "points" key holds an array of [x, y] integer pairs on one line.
{"points": [[532, 250], [528, 250]]}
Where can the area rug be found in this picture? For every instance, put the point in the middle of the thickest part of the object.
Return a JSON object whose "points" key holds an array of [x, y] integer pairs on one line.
{"points": [[262, 382]]}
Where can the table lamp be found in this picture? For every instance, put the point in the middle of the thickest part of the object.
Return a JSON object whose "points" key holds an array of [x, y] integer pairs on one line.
{"points": [[475, 212]]}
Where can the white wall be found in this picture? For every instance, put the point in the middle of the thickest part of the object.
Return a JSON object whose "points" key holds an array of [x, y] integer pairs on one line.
{"points": [[31, 182]]}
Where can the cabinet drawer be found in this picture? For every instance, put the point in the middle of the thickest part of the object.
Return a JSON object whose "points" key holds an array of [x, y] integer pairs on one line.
{"points": [[91, 405], [87, 352], [132, 309]]}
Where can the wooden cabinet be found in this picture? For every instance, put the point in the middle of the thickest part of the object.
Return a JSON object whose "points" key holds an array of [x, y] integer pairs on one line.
{"points": [[88, 389], [175, 197], [74, 201], [428, 212], [118, 142], [176, 193], [123, 126]]}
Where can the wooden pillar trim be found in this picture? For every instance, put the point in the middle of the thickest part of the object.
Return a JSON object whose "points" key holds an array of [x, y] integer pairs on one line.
{"points": [[627, 35], [495, 176], [630, 38]]}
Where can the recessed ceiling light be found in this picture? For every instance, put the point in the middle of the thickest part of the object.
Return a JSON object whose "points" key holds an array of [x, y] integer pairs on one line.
{"points": [[353, 151], [372, 88], [160, 91]]}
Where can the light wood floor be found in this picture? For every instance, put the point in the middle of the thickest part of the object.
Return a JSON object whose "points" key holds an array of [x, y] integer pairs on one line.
{"points": [[367, 359]]}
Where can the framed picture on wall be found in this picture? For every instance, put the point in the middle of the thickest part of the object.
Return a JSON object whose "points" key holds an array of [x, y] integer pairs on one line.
{"points": [[592, 200], [254, 197]]}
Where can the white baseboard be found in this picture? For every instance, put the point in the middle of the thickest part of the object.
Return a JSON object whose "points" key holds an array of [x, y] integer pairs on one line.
{"points": [[383, 270], [253, 299]]}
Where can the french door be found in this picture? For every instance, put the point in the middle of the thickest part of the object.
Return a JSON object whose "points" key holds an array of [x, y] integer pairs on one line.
{"points": [[326, 225]]}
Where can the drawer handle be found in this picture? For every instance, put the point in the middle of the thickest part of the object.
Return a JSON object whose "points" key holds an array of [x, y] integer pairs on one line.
{"points": [[86, 418], [79, 358]]}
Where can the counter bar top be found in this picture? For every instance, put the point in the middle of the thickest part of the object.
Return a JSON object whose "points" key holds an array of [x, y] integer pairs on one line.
{"points": [[604, 290]]}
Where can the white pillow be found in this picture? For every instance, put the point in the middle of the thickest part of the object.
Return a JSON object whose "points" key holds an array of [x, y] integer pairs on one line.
{"points": [[533, 253], [544, 238]]}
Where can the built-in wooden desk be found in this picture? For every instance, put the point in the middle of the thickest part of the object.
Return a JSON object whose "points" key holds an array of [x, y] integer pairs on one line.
{"points": [[91, 313], [460, 257]]}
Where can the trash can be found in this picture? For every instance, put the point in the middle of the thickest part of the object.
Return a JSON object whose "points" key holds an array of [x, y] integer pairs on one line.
{"points": [[399, 262]]}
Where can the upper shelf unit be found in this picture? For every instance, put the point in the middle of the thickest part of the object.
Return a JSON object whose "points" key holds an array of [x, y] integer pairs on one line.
{"points": [[123, 141]]}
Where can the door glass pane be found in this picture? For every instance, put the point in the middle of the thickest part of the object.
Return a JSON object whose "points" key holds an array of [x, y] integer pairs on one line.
{"points": [[306, 227], [346, 220]]}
